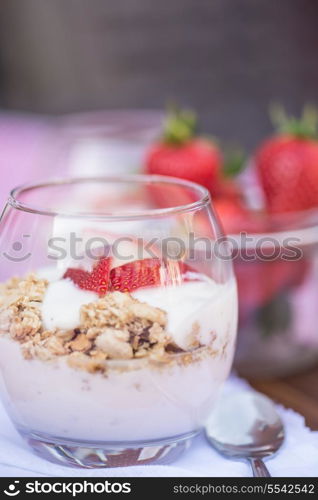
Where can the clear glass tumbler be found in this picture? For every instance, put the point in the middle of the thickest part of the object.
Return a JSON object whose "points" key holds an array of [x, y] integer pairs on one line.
{"points": [[118, 317]]}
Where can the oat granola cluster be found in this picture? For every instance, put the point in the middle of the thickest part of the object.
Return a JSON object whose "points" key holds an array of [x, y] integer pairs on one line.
{"points": [[116, 326]]}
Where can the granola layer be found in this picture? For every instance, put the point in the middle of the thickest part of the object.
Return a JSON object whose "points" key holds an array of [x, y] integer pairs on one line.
{"points": [[116, 326]]}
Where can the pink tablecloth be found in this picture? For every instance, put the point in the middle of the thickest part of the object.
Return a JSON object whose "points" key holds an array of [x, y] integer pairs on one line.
{"points": [[26, 146]]}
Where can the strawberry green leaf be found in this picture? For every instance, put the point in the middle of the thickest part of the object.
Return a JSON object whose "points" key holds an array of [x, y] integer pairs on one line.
{"points": [[179, 126], [234, 161], [305, 127]]}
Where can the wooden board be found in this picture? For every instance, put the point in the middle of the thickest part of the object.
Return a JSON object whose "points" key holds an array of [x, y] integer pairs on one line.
{"points": [[299, 392]]}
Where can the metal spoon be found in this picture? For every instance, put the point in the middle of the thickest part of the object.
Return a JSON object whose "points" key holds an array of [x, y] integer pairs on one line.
{"points": [[246, 426]]}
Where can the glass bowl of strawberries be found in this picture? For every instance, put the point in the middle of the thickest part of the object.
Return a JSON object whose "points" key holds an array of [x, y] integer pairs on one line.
{"points": [[277, 277], [269, 211]]}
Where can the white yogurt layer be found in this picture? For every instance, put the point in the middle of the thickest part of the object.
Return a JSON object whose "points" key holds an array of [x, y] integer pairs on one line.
{"points": [[62, 303], [209, 305]]}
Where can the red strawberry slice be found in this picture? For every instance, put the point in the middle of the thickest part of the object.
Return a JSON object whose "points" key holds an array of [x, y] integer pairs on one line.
{"points": [[134, 275], [79, 276], [96, 281], [130, 276], [147, 273], [99, 279]]}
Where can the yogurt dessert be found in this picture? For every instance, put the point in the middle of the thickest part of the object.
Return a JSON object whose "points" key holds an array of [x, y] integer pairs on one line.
{"points": [[132, 353]]}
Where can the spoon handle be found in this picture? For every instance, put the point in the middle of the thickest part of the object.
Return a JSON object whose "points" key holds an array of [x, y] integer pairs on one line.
{"points": [[259, 468]]}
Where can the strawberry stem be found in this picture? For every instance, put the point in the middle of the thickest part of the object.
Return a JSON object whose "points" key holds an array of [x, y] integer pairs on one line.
{"points": [[305, 127], [180, 126], [234, 161]]}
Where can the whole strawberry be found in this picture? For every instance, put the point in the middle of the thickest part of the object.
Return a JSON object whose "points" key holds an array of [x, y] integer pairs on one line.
{"points": [[287, 164], [181, 153]]}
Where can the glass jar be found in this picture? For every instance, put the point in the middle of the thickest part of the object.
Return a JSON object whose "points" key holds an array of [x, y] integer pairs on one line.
{"points": [[117, 324]]}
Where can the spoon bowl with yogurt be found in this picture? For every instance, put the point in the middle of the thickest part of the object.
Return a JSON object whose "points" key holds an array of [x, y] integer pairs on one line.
{"points": [[246, 426]]}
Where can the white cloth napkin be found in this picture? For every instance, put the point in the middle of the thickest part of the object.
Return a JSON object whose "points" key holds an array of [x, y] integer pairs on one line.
{"points": [[297, 457]]}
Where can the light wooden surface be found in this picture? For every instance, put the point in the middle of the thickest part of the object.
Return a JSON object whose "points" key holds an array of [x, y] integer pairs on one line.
{"points": [[299, 392]]}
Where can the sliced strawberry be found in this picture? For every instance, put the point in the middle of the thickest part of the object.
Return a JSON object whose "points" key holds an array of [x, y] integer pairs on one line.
{"points": [[79, 276], [96, 281], [134, 275], [130, 276], [99, 279], [148, 273]]}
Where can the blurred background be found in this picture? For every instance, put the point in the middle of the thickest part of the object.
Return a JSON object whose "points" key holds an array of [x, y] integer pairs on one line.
{"points": [[227, 59]]}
